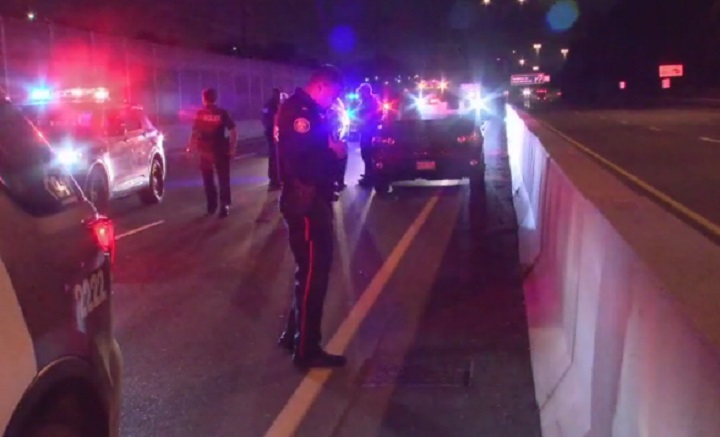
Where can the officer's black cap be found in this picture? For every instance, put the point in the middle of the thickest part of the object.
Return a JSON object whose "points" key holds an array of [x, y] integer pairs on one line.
{"points": [[210, 95], [328, 74]]}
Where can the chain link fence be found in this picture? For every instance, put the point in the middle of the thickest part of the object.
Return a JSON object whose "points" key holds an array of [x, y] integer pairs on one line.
{"points": [[167, 81]]}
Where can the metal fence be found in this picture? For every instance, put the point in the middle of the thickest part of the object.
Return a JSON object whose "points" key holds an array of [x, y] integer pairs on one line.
{"points": [[166, 80]]}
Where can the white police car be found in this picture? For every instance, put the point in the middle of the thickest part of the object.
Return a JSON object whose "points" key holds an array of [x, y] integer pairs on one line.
{"points": [[60, 366], [112, 149]]}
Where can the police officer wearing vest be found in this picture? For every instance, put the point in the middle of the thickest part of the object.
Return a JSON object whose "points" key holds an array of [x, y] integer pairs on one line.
{"points": [[308, 166], [215, 150]]}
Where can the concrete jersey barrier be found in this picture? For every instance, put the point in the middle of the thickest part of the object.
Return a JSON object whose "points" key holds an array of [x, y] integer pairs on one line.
{"points": [[623, 300]]}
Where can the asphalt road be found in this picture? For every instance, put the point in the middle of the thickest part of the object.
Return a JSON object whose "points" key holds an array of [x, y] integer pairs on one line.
{"points": [[442, 351], [676, 151]]}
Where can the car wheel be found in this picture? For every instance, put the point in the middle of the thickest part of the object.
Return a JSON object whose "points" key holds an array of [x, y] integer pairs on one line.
{"points": [[382, 188], [477, 186], [97, 190], [54, 430], [155, 190], [67, 415]]}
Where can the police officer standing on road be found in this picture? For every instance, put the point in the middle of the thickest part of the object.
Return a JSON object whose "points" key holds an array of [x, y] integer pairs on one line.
{"points": [[369, 115], [269, 112], [215, 149], [308, 164], [339, 125]]}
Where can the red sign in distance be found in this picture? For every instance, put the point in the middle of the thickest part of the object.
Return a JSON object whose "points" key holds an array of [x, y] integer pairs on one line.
{"points": [[671, 70]]}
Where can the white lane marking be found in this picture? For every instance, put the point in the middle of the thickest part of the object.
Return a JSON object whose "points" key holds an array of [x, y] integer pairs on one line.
{"points": [[710, 140], [140, 229], [289, 419], [654, 128]]}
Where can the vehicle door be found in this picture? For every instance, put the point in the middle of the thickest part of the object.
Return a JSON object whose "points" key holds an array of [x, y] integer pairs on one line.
{"points": [[145, 143], [120, 153], [135, 137]]}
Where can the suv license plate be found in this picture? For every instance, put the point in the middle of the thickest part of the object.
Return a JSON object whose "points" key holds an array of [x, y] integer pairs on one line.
{"points": [[425, 165]]}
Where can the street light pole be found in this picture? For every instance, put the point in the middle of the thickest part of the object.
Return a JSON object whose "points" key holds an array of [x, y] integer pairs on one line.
{"points": [[564, 53], [537, 48]]}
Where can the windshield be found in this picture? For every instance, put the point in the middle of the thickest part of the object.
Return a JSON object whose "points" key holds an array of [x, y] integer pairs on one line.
{"points": [[56, 121], [425, 106], [29, 172]]}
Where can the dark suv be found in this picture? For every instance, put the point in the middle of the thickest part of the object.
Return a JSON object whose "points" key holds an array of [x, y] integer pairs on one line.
{"points": [[112, 149], [428, 138], [60, 365]]}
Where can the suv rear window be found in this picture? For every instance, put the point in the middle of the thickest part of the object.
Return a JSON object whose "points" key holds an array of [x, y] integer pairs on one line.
{"points": [[29, 172]]}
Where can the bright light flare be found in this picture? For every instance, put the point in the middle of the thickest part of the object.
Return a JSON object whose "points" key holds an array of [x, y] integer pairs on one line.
{"points": [[40, 94], [101, 94], [526, 92], [443, 85], [68, 157]]}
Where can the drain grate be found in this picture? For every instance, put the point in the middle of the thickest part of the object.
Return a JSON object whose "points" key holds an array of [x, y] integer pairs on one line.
{"points": [[457, 373]]}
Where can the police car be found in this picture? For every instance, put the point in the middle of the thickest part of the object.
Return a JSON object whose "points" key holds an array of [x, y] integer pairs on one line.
{"points": [[112, 149], [60, 366]]}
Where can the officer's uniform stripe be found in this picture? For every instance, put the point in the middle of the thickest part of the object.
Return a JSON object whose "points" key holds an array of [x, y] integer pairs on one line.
{"points": [[306, 293], [17, 357]]}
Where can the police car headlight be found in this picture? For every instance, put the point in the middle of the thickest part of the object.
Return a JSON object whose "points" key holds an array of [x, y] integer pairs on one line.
{"points": [[69, 156]]}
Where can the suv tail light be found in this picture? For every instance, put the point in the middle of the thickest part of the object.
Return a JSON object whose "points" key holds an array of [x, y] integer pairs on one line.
{"points": [[474, 137], [104, 231]]}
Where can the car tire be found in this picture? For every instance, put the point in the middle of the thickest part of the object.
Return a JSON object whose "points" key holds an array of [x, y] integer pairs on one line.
{"points": [[155, 190], [67, 414], [477, 185], [382, 188], [97, 190], [54, 430]]}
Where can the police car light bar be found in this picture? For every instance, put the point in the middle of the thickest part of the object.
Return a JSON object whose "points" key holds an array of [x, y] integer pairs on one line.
{"points": [[45, 94], [40, 94]]}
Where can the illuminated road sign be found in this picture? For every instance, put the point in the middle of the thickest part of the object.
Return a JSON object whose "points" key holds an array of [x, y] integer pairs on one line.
{"points": [[671, 70], [529, 79]]}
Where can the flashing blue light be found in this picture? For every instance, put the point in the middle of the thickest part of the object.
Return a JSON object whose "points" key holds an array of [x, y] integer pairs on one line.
{"points": [[352, 96], [40, 94]]}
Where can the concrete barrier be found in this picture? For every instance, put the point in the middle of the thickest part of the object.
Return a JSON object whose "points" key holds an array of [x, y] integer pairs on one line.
{"points": [[623, 299]]}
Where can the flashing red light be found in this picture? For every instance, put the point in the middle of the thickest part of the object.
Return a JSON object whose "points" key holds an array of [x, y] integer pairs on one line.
{"points": [[101, 94], [104, 231]]}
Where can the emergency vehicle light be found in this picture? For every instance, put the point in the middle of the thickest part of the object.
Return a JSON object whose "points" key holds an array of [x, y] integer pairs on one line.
{"points": [[40, 94], [46, 94]]}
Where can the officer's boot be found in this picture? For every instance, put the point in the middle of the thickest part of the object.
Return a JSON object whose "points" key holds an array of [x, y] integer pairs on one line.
{"points": [[318, 358]]}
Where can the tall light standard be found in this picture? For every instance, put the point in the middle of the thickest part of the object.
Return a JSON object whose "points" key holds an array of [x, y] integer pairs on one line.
{"points": [[522, 62], [486, 2], [537, 48], [564, 53]]}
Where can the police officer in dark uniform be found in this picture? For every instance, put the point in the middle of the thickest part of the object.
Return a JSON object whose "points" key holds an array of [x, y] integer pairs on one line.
{"points": [[308, 165], [339, 127], [269, 113], [215, 149], [369, 115]]}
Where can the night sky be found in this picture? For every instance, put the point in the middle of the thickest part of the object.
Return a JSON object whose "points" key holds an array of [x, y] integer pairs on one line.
{"points": [[401, 28]]}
